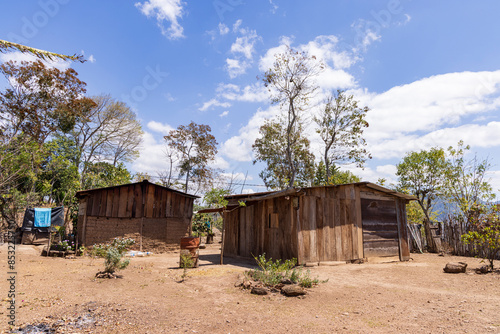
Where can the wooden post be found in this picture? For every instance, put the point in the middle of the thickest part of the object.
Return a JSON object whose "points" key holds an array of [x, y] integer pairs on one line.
{"points": [[142, 224], [50, 241], [223, 237], [84, 225]]}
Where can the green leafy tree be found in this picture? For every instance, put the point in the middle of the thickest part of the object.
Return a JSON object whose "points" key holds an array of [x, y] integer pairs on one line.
{"points": [[285, 166], [291, 83], [466, 185], [196, 147], [423, 175], [59, 179], [104, 174], [340, 126], [338, 176], [485, 235]]}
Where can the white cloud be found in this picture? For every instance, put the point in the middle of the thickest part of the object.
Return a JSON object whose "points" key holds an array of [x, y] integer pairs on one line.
{"points": [[165, 10], [239, 147], [224, 114], [223, 29], [236, 67], [242, 51], [430, 103], [366, 32], [19, 57], [245, 44], [250, 93], [214, 103], [159, 127], [274, 7], [475, 135], [494, 180], [219, 163], [151, 155], [92, 59], [237, 25]]}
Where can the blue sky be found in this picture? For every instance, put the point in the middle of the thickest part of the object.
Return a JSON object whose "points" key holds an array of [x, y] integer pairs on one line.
{"points": [[428, 70]]}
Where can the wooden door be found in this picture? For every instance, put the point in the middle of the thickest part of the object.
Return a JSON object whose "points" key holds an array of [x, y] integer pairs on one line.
{"points": [[380, 227]]}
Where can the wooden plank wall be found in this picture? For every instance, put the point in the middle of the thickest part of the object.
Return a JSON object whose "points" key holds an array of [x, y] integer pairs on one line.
{"points": [[330, 225], [136, 200], [264, 227], [326, 226], [403, 235]]}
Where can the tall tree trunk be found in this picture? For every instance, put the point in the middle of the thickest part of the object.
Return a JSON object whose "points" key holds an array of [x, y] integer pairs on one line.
{"points": [[431, 244]]}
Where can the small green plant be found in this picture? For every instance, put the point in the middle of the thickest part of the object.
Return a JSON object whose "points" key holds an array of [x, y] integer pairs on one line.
{"points": [[113, 254], [113, 261], [186, 261], [306, 281], [271, 273]]}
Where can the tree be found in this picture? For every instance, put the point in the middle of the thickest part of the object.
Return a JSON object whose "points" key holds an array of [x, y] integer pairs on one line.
{"points": [[6, 46], [291, 84], [59, 179], [271, 148], [423, 175], [107, 132], [466, 185], [40, 100], [196, 147], [339, 176], [340, 126], [103, 174], [485, 236]]}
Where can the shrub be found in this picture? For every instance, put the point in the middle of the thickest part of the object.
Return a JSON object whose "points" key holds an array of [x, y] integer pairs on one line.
{"points": [[113, 254], [272, 273]]}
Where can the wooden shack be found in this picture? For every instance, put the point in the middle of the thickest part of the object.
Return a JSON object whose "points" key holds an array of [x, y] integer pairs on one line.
{"points": [[319, 224], [152, 212]]}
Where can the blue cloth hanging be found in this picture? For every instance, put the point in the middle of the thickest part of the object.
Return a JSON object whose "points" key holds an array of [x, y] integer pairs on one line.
{"points": [[42, 217]]}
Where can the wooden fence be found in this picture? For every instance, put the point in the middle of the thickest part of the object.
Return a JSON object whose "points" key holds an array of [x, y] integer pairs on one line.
{"points": [[450, 233]]}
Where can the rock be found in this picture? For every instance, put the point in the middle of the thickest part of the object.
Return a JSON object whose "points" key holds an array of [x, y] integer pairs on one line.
{"points": [[246, 284], [293, 290], [239, 283], [483, 269], [257, 290], [455, 267], [286, 281]]}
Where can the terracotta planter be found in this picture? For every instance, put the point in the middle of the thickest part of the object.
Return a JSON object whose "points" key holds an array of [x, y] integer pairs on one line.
{"points": [[190, 242]]}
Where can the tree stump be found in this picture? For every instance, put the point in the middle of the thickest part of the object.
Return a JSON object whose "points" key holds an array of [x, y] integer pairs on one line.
{"points": [[455, 267]]}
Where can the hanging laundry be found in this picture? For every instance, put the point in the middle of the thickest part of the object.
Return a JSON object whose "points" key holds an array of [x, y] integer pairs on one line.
{"points": [[42, 217]]}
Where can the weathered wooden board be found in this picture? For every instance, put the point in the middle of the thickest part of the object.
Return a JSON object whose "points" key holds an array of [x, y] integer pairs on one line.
{"points": [[404, 247], [380, 229]]}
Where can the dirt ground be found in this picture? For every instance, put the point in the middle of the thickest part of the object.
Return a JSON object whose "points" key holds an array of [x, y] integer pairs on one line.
{"points": [[397, 297]]}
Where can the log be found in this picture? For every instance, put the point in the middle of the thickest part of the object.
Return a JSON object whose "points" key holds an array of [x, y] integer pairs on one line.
{"points": [[293, 290], [256, 290], [455, 267]]}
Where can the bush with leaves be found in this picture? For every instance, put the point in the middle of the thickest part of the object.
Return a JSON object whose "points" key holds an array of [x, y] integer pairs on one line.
{"points": [[271, 273], [113, 254], [486, 234]]}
